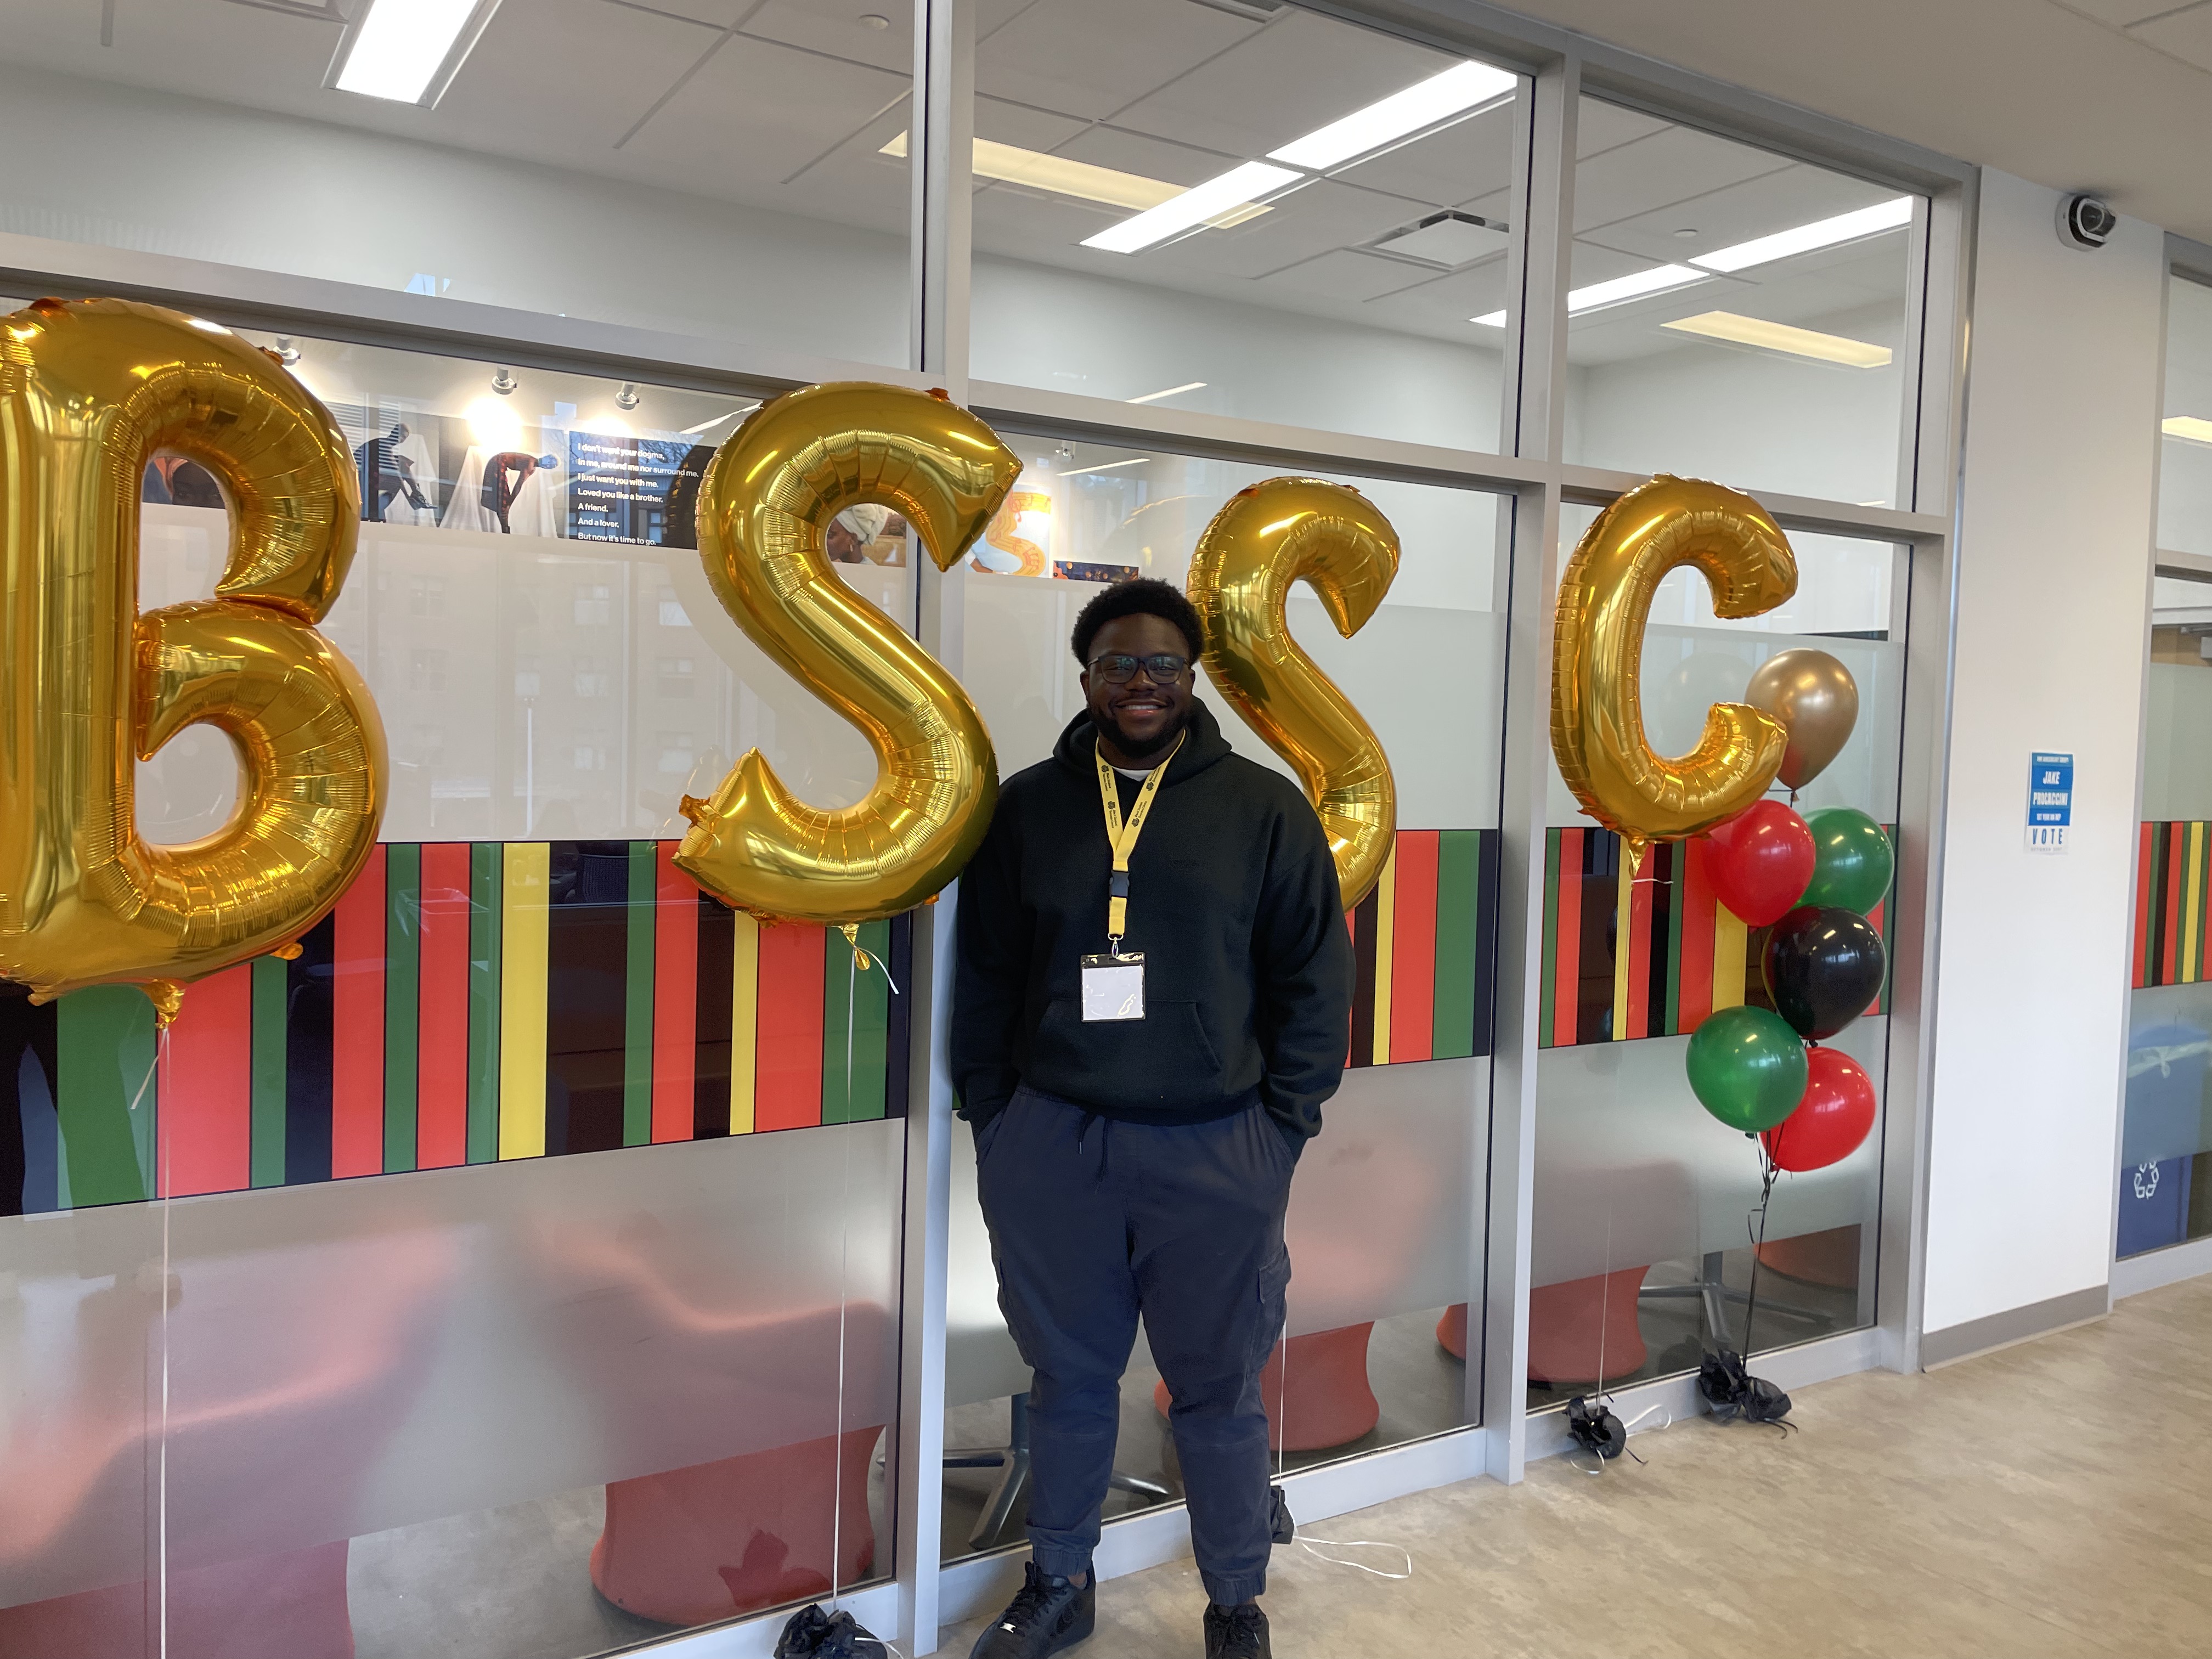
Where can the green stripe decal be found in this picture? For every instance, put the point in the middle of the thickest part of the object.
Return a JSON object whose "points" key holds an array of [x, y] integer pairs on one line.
{"points": [[403, 877], [855, 1009], [486, 866], [1679, 864], [105, 1047], [272, 1000], [1458, 900], [637, 990]]}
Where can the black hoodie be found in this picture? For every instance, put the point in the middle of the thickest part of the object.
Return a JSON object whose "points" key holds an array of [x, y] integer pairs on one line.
{"points": [[1234, 903]]}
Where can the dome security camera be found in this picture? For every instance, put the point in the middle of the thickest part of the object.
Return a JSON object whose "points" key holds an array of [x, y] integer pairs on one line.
{"points": [[2086, 222]]}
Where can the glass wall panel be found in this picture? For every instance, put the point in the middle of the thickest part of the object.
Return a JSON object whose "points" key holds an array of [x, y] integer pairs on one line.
{"points": [[1280, 216], [2166, 1138], [1646, 1228], [2185, 474], [399, 1403], [705, 167], [1736, 314], [1386, 1213]]}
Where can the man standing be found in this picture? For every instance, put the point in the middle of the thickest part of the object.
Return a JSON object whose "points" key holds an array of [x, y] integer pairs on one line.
{"points": [[1154, 1000]]}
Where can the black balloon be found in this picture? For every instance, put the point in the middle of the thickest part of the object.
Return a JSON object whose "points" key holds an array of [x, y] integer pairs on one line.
{"points": [[1823, 966]]}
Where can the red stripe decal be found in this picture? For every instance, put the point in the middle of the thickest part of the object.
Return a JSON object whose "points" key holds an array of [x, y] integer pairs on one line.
{"points": [[206, 1086], [442, 1078], [787, 1091], [675, 995], [2144, 853], [2176, 848], [1698, 923], [1413, 947], [357, 1026]]}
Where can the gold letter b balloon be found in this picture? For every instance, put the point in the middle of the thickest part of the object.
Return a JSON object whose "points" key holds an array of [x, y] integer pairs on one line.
{"points": [[1597, 705], [89, 393], [764, 513]]}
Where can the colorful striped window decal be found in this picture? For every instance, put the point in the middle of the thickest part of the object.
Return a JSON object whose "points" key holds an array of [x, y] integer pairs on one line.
{"points": [[1686, 954], [464, 1003], [2173, 891], [1424, 945]]}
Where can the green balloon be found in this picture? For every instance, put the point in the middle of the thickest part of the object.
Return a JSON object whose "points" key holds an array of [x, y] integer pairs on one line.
{"points": [[1747, 1067], [1852, 860]]}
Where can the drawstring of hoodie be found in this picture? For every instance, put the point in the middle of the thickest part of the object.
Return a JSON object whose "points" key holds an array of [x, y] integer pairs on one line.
{"points": [[1105, 1141]]}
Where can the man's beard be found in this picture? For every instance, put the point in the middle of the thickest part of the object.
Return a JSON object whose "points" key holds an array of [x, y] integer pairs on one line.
{"points": [[1129, 746]]}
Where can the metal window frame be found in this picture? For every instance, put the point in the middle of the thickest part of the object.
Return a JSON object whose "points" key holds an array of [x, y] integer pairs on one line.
{"points": [[1532, 484]]}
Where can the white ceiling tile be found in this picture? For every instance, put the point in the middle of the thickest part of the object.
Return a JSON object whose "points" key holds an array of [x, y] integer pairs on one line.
{"points": [[1016, 124], [2120, 13], [758, 112], [1603, 126], [1298, 74], [1090, 58], [716, 14], [1344, 275], [834, 27], [1315, 220], [564, 77], [2187, 34], [1151, 158], [1675, 164]]}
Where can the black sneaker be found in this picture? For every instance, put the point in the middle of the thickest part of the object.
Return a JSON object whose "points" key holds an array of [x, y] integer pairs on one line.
{"points": [[1238, 1632], [1050, 1614]]}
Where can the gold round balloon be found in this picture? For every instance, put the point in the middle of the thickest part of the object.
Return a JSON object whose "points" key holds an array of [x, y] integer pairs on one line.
{"points": [[89, 393], [764, 512], [1336, 541], [1597, 660], [1817, 701]]}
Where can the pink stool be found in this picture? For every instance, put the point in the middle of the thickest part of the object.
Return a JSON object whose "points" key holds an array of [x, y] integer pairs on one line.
{"points": [[267, 1606], [1325, 1402], [1829, 1258], [1573, 1329]]}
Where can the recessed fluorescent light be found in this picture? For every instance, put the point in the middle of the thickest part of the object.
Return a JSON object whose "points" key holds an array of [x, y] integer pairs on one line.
{"points": [[1193, 206], [1822, 233], [1780, 337], [1490, 320], [1634, 286], [1105, 466], [408, 50], [1063, 176], [2193, 427], [1172, 391], [1459, 88]]}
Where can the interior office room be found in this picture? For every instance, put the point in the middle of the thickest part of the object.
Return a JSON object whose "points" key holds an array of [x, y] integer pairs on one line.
{"points": [[458, 1198]]}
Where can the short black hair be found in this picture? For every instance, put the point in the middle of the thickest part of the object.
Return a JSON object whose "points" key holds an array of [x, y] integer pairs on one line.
{"points": [[1139, 596]]}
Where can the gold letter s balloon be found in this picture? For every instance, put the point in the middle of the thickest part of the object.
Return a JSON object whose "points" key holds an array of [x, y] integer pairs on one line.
{"points": [[763, 513], [88, 391], [1597, 709], [1265, 537]]}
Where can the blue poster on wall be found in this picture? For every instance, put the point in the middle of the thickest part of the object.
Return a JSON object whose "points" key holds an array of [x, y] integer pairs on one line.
{"points": [[2050, 802]]}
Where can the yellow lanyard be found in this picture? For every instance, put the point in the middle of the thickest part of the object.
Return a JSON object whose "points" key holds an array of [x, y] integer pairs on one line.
{"points": [[1122, 837]]}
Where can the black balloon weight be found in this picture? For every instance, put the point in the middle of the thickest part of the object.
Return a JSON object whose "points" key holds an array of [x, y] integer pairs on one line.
{"points": [[1823, 968]]}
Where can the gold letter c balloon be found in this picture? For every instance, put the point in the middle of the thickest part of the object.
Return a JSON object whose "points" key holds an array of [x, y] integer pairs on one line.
{"points": [[764, 512], [1334, 538], [1597, 706], [88, 391]]}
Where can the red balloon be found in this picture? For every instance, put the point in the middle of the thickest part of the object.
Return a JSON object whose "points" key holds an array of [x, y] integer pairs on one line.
{"points": [[1832, 1121], [1759, 861]]}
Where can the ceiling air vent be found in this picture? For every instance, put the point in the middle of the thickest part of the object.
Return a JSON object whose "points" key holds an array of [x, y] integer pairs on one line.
{"points": [[1259, 11], [1447, 240]]}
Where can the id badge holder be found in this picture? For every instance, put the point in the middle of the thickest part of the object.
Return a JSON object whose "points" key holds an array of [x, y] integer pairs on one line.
{"points": [[1114, 986]]}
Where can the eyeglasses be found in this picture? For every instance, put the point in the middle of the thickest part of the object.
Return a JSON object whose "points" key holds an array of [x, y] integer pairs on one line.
{"points": [[1119, 670]]}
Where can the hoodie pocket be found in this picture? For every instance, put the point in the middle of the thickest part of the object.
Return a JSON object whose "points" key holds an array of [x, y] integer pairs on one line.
{"points": [[1164, 1059]]}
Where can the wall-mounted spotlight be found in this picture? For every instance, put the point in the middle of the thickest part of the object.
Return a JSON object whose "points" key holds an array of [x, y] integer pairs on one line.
{"points": [[287, 353], [503, 382], [627, 396]]}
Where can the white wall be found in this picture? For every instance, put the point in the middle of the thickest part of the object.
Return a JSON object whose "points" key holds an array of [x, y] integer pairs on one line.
{"points": [[2053, 587]]}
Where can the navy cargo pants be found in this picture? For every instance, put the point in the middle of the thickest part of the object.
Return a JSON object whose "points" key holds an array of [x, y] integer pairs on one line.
{"points": [[1093, 1222]]}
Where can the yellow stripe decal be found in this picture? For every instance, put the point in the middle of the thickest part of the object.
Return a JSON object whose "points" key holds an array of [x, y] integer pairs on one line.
{"points": [[1386, 918], [524, 894], [2192, 907], [744, 1021], [1624, 890], [1727, 958]]}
